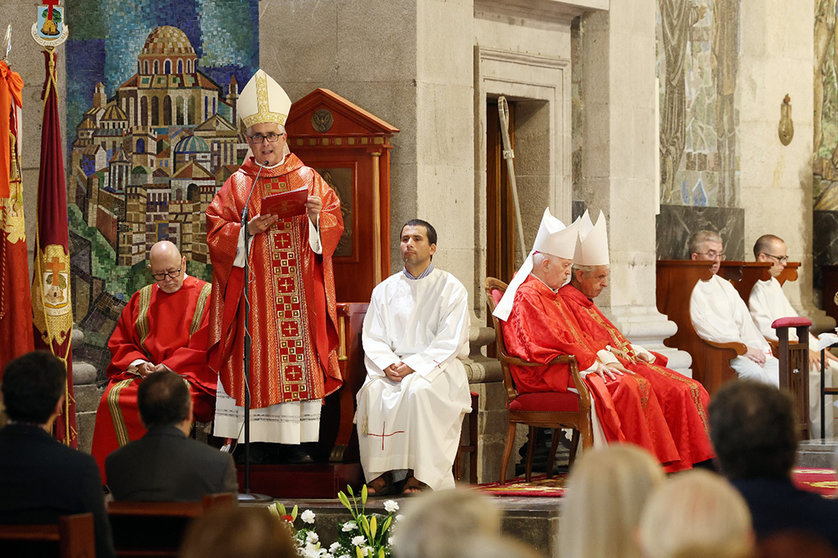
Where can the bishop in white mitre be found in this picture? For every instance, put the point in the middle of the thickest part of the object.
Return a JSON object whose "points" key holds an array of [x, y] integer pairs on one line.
{"points": [[411, 406], [719, 314], [767, 303]]}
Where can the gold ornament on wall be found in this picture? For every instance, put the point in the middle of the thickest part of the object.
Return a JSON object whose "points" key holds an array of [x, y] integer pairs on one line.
{"points": [[786, 128]]}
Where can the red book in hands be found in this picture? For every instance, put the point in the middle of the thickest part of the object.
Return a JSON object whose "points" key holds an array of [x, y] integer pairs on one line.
{"points": [[286, 204]]}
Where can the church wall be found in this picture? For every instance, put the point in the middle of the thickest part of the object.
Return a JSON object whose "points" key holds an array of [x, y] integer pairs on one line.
{"points": [[776, 180], [332, 44]]}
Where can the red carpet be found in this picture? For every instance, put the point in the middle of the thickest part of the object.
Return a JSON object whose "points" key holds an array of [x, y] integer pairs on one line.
{"points": [[821, 481]]}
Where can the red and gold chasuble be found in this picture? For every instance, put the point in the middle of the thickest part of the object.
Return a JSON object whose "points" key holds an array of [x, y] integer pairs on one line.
{"points": [[684, 401], [293, 321], [160, 328], [540, 328]]}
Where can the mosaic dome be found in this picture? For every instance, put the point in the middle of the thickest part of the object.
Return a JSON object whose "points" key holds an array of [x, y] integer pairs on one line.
{"points": [[167, 40], [192, 144]]}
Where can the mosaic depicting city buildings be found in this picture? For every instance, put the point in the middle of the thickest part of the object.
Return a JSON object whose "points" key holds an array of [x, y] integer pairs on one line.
{"points": [[147, 153]]}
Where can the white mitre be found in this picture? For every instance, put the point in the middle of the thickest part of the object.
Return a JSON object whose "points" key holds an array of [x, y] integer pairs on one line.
{"points": [[263, 100], [592, 245], [553, 238]]}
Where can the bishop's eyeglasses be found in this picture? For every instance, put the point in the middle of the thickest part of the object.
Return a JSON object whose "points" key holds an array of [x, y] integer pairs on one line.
{"points": [[161, 276], [270, 137]]}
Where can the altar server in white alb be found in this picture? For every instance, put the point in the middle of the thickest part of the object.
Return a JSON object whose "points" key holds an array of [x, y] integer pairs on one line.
{"points": [[411, 406], [767, 303], [719, 314]]}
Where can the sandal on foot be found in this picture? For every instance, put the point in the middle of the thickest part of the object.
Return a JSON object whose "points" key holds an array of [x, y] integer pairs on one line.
{"points": [[381, 485], [413, 486]]}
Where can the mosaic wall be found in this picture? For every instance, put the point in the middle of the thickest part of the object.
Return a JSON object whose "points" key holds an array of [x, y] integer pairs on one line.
{"points": [[698, 49], [697, 52], [151, 93], [825, 180]]}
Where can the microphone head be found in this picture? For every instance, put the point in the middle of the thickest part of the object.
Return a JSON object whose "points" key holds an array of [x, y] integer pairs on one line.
{"points": [[265, 164]]}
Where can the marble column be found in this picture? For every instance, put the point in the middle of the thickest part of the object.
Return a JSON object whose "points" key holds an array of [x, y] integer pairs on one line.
{"points": [[618, 163]]}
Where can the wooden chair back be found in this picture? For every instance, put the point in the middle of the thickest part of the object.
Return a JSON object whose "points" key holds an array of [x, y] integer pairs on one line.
{"points": [[675, 282], [157, 528], [794, 367], [72, 537]]}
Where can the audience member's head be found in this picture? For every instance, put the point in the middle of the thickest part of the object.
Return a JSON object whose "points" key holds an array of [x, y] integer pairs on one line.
{"points": [[696, 514], [164, 400], [436, 523], [33, 386], [752, 429], [238, 533], [606, 491], [495, 546]]}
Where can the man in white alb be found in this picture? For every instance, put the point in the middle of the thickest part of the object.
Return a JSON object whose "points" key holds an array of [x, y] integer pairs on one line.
{"points": [[767, 303], [719, 314], [411, 406]]}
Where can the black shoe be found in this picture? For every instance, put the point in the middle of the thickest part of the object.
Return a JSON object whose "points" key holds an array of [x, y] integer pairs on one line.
{"points": [[294, 454]]}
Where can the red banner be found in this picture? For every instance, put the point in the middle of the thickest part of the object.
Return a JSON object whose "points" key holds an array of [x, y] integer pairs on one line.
{"points": [[15, 302], [52, 312]]}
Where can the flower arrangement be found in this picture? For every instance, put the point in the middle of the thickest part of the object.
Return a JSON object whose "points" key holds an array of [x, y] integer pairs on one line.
{"points": [[366, 535]]}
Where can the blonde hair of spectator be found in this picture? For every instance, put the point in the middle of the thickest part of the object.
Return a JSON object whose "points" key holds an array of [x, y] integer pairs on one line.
{"points": [[696, 514], [238, 533], [437, 523], [606, 491]]}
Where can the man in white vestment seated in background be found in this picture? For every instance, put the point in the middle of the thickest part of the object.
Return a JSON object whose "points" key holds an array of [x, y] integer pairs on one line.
{"points": [[768, 303], [719, 314], [411, 406]]}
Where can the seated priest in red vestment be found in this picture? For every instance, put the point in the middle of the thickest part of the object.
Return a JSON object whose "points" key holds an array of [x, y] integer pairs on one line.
{"points": [[684, 400], [293, 312], [538, 326], [163, 327]]}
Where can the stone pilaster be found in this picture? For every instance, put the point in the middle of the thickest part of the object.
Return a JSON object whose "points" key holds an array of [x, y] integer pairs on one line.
{"points": [[618, 172]]}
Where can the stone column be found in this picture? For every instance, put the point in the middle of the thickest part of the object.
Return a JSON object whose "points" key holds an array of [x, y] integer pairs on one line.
{"points": [[618, 163]]}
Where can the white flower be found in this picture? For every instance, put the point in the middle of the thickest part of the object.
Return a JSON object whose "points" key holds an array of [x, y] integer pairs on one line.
{"points": [[344, 556], [391, 506], [349, 526], [391, 540], [334, 547], [307, 516], [398, 518], [312, 537], [358, 541], [312, 551]]}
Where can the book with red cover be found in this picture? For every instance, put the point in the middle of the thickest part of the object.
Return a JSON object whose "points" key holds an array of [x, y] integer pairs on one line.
{"points": [[286, 204]]}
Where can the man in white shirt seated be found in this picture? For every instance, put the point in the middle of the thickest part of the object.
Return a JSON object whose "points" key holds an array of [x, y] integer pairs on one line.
{"points": [[767, 303], [718, 314], [411, 406]]}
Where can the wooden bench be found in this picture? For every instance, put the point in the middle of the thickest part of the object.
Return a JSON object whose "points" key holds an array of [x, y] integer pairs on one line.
{"points": [[73, 537], [157, 528]]}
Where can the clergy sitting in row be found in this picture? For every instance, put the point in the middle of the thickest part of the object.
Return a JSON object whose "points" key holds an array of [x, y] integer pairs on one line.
{"points": [[684, 400], [411, 406], [163, 327], [719, 314], [767, 303], [540, 326]]}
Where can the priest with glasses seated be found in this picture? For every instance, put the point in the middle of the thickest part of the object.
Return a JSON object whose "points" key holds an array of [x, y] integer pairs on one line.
{"points": [[163, 327]]}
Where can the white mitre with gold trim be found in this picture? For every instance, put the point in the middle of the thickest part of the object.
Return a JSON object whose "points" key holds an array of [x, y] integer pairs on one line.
{"points": [[592, 246], [263, 100], [553, 238]]}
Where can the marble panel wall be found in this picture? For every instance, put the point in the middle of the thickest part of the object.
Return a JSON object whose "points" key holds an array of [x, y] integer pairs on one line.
{"points": [[677, 223]]}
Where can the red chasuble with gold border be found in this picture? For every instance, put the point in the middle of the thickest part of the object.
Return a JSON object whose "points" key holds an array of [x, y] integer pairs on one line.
{"points": [[684, 400], [293, 319], [160, 328], [542, 327]]}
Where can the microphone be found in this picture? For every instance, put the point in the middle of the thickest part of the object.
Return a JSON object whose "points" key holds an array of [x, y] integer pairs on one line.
{"points": [[249, 195]]}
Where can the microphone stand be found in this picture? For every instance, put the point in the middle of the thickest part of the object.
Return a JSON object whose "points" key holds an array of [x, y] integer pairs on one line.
{"points": [[247, 496]]}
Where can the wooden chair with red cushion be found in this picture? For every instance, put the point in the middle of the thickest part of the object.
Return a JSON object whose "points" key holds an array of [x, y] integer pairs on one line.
{"points": [[554, 410]]}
